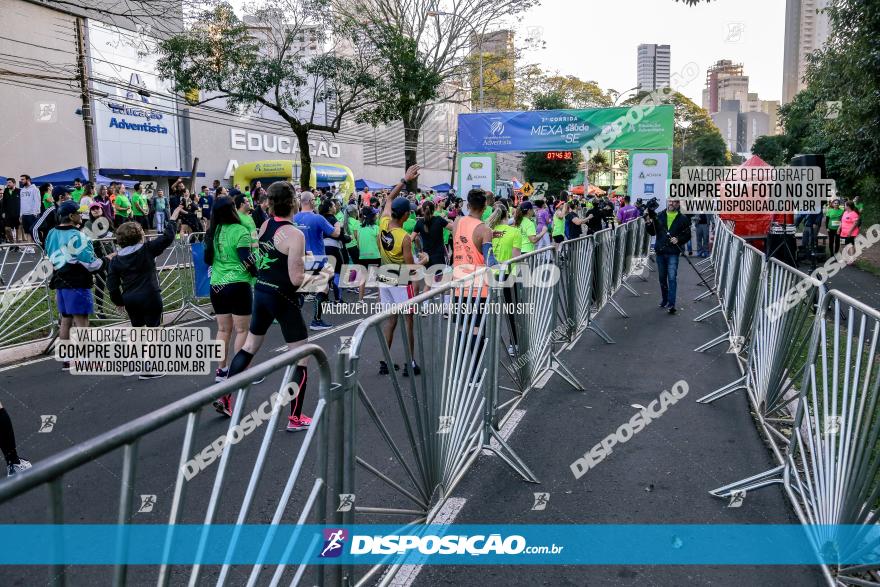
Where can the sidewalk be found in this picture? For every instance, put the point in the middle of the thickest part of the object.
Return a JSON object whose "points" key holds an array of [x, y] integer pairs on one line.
{"points": [[662, 475]]}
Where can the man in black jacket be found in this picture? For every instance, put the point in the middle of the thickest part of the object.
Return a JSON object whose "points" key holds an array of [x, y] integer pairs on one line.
{"points": [[673, 230]]}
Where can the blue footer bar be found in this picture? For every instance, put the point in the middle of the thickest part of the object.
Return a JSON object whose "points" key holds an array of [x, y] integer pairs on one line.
{"points": [[75, 544]]}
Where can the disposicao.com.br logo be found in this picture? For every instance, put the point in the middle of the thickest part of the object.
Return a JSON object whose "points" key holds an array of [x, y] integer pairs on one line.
{"points": [[430, 544]]}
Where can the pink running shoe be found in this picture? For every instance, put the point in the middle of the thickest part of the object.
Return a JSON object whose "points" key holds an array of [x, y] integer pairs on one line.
{"points": [[295, 424]]}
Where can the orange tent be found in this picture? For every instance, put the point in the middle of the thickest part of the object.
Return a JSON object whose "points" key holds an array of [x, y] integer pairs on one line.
{"points": [[578, 190], [750, 224]]}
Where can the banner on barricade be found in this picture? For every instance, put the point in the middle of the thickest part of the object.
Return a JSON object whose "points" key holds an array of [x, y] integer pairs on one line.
{"points": [[201, 277]]}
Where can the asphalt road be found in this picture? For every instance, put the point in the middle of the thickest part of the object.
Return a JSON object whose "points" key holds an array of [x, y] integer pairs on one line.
{"points": [[661, 476]]}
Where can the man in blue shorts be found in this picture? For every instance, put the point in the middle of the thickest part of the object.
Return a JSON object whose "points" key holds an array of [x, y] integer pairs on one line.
{"points": [[73, 260]]}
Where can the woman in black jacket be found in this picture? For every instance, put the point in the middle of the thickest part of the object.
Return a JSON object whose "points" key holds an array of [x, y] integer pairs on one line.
{"points": [[132, 279]]}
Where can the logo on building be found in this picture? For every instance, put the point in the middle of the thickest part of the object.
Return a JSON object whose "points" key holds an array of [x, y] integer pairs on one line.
{"points": [[137, 89]]}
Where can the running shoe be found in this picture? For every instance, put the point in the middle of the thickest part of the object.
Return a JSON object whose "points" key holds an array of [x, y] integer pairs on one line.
{"points": [[224, 405], [415, 369], [30, 250], [295, 424], [220, 375], [672, 310], [21, 465], [319, 325], [663, 304], [148, 376], [383, 368]]}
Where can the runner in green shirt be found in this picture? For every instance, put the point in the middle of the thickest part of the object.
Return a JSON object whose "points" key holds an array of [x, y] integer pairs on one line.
{"points": [[558, 232], [139, 206], [48, 199], [832, 222], [77, 192], [122, 206], [506, 244], [243, 207], [368, 243], [522, 219]]}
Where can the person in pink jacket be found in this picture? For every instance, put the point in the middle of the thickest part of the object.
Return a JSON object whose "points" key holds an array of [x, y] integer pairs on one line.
{"points": [[849, 230]]}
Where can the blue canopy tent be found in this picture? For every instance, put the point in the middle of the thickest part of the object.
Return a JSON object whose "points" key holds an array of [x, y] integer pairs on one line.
{"points": [[67, 176], [363, 184], [442, 188]]}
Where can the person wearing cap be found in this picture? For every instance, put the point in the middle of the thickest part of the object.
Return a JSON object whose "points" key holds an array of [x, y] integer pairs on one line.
{"points": [[73, 261], [395, 249], [49, 218]]}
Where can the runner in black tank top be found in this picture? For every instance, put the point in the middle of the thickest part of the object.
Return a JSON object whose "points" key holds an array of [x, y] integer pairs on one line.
{"points": [[279, 277]]}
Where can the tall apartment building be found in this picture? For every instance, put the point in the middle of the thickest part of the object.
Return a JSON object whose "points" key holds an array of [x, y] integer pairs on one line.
{"points": [[806, 30], [653, 66], [739, 114]]}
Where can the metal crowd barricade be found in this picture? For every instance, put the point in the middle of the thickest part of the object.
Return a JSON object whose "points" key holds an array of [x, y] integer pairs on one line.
{"points": [[726, 272], [195, 300], [576, 261], [741, 296], [27, 308], [830, 468], [314, 494], [716, 262], [429, 428], [604, 287], [776, 349]]}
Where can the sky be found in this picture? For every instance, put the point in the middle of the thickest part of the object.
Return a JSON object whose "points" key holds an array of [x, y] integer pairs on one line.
{"points": [[598, 39]]}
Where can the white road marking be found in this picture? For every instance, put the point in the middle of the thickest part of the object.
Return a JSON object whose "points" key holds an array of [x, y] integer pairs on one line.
{"points": [[407, 574], [324, 333], [506, 430]]}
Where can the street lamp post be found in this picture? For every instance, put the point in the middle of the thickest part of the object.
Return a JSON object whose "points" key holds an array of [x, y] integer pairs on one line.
{"points": [[479, 44]]}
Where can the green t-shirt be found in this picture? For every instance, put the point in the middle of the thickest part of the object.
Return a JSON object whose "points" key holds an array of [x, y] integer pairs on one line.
{"points": [[527, 228], [505, 238], [354, 225], [248, 222], [860, 207], [368, 242], [670, 218], [75, 195], [410, 224], [49, 201], [486, 213], [558, 226], [227, 267], [834, 215], [138, 199], [122, 206]]}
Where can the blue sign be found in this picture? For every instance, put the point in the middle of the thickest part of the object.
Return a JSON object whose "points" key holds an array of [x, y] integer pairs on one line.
{"points": [[202, 276], [635, 127]]}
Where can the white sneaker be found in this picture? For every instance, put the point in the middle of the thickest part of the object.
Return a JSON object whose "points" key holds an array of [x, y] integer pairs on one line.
{"points": [[30, 250], [22, 465]]}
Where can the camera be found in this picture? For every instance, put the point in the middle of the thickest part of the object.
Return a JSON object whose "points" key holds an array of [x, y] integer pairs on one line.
{"points": [[652, 205]]}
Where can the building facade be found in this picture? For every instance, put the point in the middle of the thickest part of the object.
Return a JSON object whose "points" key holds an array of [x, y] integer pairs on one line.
{"points": [[142, 131], [806, 30], [653, 66]]}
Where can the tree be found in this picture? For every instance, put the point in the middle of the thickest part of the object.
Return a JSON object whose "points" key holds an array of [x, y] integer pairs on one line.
{"points": [[443, 33], [844, 70], [774, 149], [265, 66], [557, 172], [696, 139]]}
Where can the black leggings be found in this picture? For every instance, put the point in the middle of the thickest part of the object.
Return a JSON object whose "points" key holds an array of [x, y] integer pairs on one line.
{"points": [[833, 241], [144, 310]]}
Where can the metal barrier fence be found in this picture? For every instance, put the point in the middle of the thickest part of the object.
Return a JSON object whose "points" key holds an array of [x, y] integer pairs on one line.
{"points": [[812, 375], [27, 305], [323, 442], [478, 358]]}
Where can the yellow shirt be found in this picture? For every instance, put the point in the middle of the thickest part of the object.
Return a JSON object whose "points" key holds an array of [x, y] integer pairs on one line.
{"points": [[390, 242]]}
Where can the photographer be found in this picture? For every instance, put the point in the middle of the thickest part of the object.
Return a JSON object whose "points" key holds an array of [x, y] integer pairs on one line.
{"points": [[673, 230]]}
